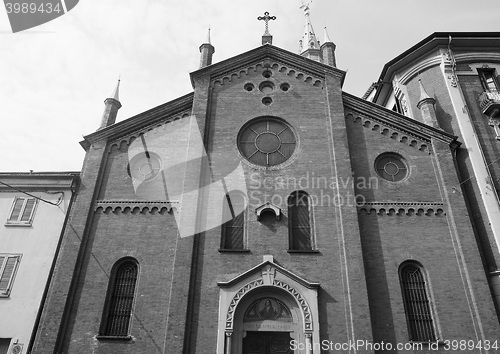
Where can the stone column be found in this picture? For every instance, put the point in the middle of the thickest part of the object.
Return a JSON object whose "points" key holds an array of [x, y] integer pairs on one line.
{"points": [[228, 342], [309, 344]]}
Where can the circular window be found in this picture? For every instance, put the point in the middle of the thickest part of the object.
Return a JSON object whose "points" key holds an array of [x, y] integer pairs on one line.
{"points": [[249, 87], [266, 141], [144, 166], [266, 87], [267, 101], [391, 167], [267, 73], [284, 86]]}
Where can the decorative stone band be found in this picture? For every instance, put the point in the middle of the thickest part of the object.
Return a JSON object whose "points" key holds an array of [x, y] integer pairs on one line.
{"points": [[136, 207], [287, 69], [390, 131], [402, 208], [306, 311]]}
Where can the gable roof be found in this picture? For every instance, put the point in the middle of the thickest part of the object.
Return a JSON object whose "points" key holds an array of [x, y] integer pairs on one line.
{"points": [[267, 51]]}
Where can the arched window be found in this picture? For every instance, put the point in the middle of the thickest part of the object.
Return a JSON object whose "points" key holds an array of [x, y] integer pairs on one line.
{"points": [[233, 218], [299, 221], [416, 302], [120, 300]]}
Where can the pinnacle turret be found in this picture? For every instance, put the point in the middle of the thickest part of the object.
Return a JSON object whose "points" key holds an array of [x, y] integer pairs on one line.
{"points": [[328, 51], [207, 51], [111, 106], [426, 107]]}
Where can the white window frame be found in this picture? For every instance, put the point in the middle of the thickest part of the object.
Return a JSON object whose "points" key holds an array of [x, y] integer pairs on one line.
{"points": [[6, 292], [18, 222]]}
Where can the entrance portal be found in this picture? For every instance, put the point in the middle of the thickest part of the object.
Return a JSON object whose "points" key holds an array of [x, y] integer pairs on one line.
{"points": [[267, 343]]}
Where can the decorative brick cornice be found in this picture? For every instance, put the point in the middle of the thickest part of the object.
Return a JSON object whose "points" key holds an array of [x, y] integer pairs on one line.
{"points": [[288, 69], [395, 122], [391, 131], [402, 208], [135, 207]]}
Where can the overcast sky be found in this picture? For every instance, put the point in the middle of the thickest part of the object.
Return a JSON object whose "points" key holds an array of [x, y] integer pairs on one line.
{"points": [[55, 77]]}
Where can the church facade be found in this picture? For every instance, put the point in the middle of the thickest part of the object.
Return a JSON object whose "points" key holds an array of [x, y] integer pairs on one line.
{"points": [[269, 212]]}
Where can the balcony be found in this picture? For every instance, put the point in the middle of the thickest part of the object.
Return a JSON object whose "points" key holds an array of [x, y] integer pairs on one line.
{"points": [[489, 102]]}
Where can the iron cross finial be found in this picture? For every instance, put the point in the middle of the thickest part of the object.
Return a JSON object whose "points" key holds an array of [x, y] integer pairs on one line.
{"points": [[266, 19]]}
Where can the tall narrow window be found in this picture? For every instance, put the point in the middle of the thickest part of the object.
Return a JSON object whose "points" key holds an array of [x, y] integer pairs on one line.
{"points": [[488, 80], [416, 302], [299, 221], [22, 211], [233, 217], [121, 292], [8, 267]]}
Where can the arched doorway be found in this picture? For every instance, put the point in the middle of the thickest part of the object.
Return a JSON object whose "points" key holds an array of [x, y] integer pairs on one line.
{"points": [[266, 321], [269, 305], [267, 324]]}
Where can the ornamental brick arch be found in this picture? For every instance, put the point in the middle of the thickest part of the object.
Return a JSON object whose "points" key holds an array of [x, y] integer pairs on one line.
{"points": [[267, 283]]}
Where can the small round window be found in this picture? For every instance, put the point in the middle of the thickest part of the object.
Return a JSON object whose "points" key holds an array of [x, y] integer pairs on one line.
{"points": [[266, 141], [391, 167], [144, 166]]}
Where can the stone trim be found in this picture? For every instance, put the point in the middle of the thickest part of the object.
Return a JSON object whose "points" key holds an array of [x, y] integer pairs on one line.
{"points": [[305, 309], [135, 207], [402, 208]]}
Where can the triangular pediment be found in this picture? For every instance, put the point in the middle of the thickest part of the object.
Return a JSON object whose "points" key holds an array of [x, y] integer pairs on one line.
{"points": [[261, 56], [268, 270]]}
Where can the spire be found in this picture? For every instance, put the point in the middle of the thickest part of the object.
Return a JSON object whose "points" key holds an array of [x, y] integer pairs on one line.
{"points": [[423, 94], [309, 44], [111, 106], [326, 38], [426, 107], [115, 93], [328, 51], [207, 50]]}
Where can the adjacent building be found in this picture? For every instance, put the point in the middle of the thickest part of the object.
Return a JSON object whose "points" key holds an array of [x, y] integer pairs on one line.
{"points": [[33, 209], [451, 81]]}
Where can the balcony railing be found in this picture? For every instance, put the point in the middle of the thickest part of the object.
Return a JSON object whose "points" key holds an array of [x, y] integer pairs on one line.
{"points": [[489, 102]]}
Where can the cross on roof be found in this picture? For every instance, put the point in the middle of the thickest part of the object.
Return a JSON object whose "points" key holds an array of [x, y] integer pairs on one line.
{"points": [[266, 19]]}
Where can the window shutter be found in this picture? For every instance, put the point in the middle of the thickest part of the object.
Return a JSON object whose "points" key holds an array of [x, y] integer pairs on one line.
{"points": [[8, 266], [28, 210], [22, 211], [16, 210]]}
